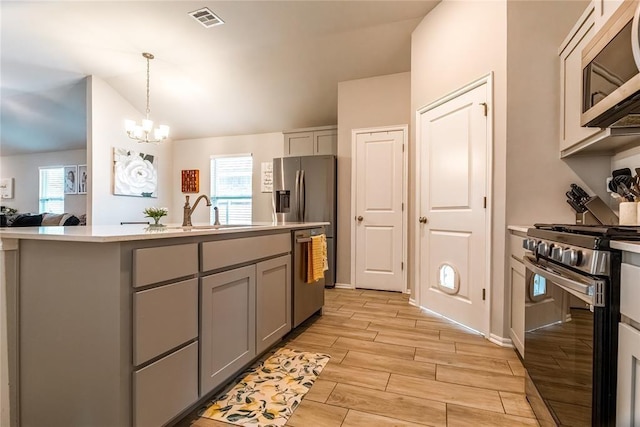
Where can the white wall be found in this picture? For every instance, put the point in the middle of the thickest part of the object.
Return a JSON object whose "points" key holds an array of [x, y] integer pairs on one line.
{"points": [[363, 103], [535, 174], [107, 111], [196, 154], [24, 169], [455, 44]]}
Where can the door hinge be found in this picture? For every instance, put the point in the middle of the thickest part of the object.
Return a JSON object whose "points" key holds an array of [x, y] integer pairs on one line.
{"points": [[403, 148], [485, 202], [402, 266], [402, 207], [484, 294], [485, 107]]}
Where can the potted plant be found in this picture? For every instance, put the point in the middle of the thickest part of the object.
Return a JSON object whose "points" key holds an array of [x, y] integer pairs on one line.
{"points": [[155, 213]]}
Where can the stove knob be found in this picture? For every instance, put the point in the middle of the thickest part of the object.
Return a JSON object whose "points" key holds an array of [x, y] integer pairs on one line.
{"points": [[529, 244], [543, 249], [572, 257], [556, 253]]}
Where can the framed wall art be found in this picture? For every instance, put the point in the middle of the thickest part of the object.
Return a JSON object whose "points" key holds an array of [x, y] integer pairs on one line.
{"points": [[134, 173], [82, 179], [6, 188], [191, 181], [71, 179]]}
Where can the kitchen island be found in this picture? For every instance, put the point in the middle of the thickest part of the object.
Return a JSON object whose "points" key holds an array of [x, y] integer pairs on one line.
{"points": [[133, 325]]}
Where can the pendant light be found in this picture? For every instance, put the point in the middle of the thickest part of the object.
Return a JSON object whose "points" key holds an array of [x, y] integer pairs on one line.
{"points": [[145, 132]]}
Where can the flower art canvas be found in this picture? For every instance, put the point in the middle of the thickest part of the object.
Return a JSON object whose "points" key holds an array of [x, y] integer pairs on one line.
{"points": [[134, 173]]}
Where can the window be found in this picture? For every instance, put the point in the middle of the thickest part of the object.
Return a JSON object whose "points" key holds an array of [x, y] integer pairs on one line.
{"points": [[231, 179], [51, 190]]}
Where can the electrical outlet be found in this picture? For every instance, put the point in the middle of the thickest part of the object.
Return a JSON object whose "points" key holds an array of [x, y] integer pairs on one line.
{"points": [[608, 181]]}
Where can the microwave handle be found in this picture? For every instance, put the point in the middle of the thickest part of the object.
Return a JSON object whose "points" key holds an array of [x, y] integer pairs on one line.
{"points": [[635, 37]]}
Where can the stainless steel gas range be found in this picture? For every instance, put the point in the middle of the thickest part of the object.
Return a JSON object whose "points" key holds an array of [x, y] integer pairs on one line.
{"points": [[572, 310]]}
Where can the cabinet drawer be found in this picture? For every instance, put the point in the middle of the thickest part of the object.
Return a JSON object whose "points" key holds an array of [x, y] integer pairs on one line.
{"points": [[630, 291], [164, 318], [225, 253], [165, 388], [153, 265], [515, 246]]}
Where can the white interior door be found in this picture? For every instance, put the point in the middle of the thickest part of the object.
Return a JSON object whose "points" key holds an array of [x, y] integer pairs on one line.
{"points": [[379, 202], [452, 186]]}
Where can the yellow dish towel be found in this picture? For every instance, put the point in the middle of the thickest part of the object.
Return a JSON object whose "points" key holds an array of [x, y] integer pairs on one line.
{"points": [[317, 262]]}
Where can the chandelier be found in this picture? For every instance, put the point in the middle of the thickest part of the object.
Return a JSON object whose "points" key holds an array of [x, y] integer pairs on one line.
{"points": [[145, 132]]}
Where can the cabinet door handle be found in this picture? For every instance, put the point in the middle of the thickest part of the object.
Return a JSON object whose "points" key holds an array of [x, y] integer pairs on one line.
{"points": [[422, 220], [359, 218]]}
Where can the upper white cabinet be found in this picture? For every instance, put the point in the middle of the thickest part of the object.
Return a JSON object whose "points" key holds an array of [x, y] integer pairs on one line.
{"points": [[571, 133], [311, 141], [574, 138], [603, 10]]}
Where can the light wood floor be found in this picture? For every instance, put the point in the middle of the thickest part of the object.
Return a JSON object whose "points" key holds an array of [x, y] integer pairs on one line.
{"points": [[394, 365]]}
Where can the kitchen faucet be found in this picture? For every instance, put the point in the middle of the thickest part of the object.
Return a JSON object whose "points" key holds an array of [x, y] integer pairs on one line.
{"points": [[188, 210]]}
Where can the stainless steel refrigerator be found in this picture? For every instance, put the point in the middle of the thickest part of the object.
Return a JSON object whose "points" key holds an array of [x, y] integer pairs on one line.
{"points": [[304, 190]]}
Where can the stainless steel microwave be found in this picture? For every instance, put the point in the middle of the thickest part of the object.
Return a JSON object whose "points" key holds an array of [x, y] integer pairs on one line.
{"points": [[610, 72]]}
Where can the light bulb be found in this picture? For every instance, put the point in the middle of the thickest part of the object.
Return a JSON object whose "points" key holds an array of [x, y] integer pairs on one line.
{"points": [[147, 125], [164, 131], [129, 125]]}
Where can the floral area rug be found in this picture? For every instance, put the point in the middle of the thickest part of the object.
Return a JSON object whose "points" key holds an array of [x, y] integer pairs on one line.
{"points": [[270, 391]]}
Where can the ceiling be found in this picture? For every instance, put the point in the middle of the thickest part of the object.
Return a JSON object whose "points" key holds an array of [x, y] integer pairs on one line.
{"points": [[273, 65]]}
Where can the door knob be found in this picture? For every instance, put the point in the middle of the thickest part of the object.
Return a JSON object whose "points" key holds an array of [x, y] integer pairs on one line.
{"points": [[359, 218], [422, 220]]}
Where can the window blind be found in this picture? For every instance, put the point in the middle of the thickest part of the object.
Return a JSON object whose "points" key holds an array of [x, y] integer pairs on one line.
{"points": [[51, 197], [231, 181]]}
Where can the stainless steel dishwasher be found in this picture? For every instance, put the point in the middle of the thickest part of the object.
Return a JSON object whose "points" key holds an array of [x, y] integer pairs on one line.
{"points": [[308, 298]]}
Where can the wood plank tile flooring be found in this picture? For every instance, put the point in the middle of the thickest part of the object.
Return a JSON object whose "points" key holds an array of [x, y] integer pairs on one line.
{"points": [[394, 365]]}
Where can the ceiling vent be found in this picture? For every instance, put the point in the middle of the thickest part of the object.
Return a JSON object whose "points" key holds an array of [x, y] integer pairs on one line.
{"points": [[205, 17]]}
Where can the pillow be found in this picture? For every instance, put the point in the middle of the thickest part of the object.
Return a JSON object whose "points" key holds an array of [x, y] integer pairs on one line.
{"points": [[51, 219], [72, 220], [26, 220]]}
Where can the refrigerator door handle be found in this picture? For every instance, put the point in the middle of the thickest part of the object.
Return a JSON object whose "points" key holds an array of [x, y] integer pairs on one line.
{"points": [[297, 195], [303, 197]]}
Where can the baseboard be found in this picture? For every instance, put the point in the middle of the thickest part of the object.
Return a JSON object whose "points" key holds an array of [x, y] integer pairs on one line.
{"points": [[501, 341], [412, 302], [344, 286]]}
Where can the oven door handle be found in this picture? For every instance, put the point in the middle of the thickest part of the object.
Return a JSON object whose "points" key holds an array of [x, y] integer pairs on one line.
{"points": [[593, 288]]}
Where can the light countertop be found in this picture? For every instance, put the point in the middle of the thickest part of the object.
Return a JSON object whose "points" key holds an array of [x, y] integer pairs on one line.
{"points": [[520, 228], [626, 246], [130, 232]]}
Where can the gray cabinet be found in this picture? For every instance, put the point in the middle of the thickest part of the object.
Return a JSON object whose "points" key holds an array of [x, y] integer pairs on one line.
{"points": [[164, 318], [228, 325], [161, 328], [154, 265], [311, 141], [166, 387], [273, 301]]}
